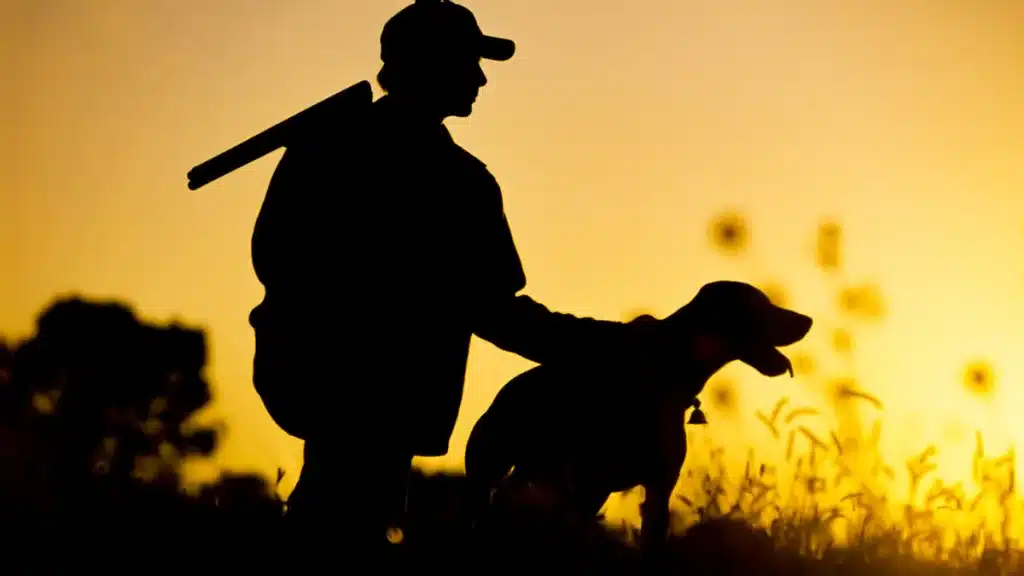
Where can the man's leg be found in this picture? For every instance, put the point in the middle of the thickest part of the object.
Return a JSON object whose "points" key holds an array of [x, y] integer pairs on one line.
{"points": [[344, 503]]}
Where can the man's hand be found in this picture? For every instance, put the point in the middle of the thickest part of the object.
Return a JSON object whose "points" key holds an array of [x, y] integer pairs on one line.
{"points": [[652, 343]]}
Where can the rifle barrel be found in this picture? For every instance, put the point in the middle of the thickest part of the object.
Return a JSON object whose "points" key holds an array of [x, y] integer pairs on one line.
{"points": [[270, 139], [234, 158]]}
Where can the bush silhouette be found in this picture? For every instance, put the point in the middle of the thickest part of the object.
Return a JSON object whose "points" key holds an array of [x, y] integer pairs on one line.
{"points": [[110, 396], [95, 425]]}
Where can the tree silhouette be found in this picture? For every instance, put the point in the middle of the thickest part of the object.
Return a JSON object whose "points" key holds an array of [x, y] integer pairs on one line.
{"points": [[107, 397], [96, 420]]}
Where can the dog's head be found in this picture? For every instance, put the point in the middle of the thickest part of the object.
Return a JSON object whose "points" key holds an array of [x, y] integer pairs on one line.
{"points": [[736, 321]]}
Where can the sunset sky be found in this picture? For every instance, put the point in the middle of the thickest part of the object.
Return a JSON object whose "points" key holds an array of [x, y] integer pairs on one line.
{"points": [[618, 131]]}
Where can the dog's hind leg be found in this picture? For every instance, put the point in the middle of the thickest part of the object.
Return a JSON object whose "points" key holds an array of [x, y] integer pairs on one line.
{"points": [[488, 460]]}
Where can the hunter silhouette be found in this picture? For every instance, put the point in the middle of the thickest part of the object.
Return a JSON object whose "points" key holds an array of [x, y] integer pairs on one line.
{"points": [[383, 247]]}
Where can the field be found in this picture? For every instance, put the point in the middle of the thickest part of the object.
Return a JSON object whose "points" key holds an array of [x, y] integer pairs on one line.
{"points": [[236, 524], [96, 423]]}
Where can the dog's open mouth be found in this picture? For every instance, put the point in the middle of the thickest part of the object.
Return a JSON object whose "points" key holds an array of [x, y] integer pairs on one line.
{"points": [[768, 361], [786, 328]]}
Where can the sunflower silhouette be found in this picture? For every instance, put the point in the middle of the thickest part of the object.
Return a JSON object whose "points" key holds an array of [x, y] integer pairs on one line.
{"points": [[864, 301], [828, 254], [722, 393], [729, 233], [979, 378]]}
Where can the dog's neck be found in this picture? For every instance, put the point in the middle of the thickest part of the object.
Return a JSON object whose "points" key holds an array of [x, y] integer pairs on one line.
{"points": [[707, 355]]}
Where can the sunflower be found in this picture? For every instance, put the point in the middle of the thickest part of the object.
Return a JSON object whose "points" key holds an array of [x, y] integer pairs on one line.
{"points": [[979, 378], [729, 233], [828, 255], [863, 301], [722, 395]]}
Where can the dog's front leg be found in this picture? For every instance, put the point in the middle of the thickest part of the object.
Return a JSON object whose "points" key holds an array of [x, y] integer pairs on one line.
{"points": [[654, 523]]}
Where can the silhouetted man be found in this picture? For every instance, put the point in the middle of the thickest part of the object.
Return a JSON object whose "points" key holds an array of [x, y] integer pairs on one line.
{"points": [[383, 247]]}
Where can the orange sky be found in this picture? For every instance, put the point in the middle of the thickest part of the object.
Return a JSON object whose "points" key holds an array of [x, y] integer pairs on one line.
{"points": [[617, 132]]}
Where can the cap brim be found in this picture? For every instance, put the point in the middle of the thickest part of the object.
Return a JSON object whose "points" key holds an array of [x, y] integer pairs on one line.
{"points": [[494, 48]]}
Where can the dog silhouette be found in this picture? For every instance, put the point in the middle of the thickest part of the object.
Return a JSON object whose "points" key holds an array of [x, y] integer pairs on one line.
{"points": [[584, 432]]}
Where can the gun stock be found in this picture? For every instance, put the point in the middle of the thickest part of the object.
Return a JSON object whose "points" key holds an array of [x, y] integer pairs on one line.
{"points": [[277, 136]]}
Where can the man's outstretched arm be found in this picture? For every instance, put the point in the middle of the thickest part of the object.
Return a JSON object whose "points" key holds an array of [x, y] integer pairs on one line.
{"points": [[523, 326], [516, 323]]}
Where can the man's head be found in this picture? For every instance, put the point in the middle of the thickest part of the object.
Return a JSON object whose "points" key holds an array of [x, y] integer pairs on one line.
{"points": [[432, 51]]}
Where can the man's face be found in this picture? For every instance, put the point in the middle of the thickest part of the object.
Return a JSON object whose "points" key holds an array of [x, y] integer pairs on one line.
{"points": [[458, 82]]}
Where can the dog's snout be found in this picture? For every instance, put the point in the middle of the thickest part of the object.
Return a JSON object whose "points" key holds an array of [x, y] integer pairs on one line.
{"points": [[803, 324], [793, 328]]}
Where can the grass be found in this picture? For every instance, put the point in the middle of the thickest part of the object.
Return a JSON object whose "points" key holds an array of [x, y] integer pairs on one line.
{"points": [[833, 506], [825, 506], [785, 519]]}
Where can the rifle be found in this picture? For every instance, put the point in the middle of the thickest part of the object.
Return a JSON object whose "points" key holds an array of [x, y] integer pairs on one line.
{"points": [[279, 135]]}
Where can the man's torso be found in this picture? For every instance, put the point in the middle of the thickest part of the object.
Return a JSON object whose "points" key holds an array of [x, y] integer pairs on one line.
{"points": [[398, 215]]}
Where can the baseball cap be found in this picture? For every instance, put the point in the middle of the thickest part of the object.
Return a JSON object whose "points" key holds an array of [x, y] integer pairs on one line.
{"points": [[439, 27]]}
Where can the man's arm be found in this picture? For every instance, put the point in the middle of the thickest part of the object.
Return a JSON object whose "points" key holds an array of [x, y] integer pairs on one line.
{"points": [[520, 325], [516, 323]]}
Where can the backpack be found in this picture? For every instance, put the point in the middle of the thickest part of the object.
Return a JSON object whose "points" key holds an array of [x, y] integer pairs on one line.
{"points": [[290, 333]]}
